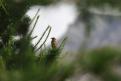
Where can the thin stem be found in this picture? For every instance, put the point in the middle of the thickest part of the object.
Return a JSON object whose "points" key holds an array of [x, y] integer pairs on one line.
{"points": [[35, 16], [41, 37], [63, 43], [34, 26], [34, 37], [45, 39]]}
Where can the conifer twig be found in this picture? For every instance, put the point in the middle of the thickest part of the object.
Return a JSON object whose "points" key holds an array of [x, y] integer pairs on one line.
{"points": [[41, 37], [35, 16], [45, 39], [63, 43], [34, 26], [34, 37]]}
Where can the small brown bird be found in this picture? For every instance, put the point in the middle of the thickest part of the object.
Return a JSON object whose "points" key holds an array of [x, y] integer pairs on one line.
{"points": [[53, 42]]}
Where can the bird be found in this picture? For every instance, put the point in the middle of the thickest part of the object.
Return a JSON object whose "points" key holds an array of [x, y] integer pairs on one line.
{"points": [[53, 43]]}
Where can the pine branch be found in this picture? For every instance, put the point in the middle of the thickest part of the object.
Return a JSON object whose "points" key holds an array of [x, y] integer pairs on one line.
{"points": [[42, 36], [34, 26], [45, 39]]}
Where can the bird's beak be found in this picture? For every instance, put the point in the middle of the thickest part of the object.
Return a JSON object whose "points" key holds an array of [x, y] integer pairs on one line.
{"points": [[52, 38]]}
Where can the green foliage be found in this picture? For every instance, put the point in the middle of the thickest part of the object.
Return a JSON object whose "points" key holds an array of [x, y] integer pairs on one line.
{"points": [[20, 63], [41, 2], [18, 58], [12, 19], [3, 6], [99, 3], [97, 59], [100, 62]]}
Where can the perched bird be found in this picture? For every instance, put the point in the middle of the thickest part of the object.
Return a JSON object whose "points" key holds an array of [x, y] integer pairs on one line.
{"points": [[53, 42]]}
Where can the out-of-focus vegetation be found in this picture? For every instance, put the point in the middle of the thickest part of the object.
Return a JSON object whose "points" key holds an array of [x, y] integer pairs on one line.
{"points": [[102, 62], [18, 59]]}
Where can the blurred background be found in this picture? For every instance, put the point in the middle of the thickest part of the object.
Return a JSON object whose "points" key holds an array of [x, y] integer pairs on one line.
{"points": [[65, 18], [88, 37]]}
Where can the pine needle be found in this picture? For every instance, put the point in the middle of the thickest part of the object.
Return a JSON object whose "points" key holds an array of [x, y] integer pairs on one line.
{"points": [[34, 26], [45, 39], [42, 36]]}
